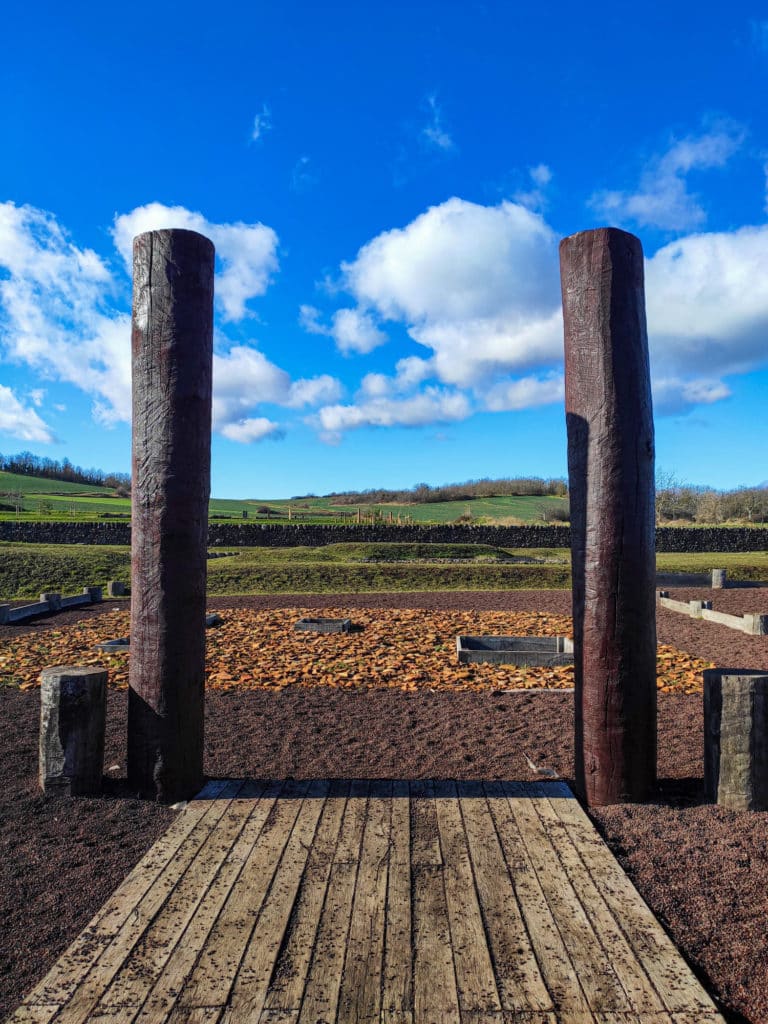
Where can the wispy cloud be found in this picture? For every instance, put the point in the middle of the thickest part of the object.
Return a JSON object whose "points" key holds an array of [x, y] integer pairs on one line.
{"points": [[534, 197], [304, 176], [759, 34], [434, 134], [663, 199], [262, 123]]}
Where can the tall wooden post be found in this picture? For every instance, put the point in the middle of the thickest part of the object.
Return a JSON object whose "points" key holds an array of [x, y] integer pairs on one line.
{"points": [[172, 369], [611, 476]]}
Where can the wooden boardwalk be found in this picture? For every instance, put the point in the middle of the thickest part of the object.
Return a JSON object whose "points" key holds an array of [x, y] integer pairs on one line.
{"points": [[389, 902]]}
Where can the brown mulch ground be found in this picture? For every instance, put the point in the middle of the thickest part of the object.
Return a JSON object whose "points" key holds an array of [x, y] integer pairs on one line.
{"points": [[703, 870]]}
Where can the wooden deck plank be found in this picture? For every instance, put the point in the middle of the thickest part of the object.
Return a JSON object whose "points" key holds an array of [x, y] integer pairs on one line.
{"points": [[214, 973], [434, 978], [321, 993], [388, 903], [634, 978], [555, 963], [137, 917], [283, 1000], [133, 982], [475, 978], [601, 986], [360, 991], [59, 983], [397, 983], [672, 978], [249, 990], [177, 970], [521, 985]]}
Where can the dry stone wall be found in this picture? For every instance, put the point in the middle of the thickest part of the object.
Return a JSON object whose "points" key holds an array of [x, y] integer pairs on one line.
{"points": [[680, 539]]}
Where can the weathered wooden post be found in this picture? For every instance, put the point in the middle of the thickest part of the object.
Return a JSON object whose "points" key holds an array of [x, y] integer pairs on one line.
{"points": [[611, 477], [172, 369]]}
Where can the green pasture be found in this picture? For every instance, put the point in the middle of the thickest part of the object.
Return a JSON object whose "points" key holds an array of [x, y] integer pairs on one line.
{"points": [[27, 570]]}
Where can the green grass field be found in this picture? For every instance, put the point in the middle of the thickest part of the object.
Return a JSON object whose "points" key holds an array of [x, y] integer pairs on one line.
{"points": [[27, 570], [54, 499]]}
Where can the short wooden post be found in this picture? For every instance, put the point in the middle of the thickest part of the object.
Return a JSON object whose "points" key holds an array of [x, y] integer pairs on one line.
{"points": [[611, 481], [719, 579], [73, 704], [172, 370], [736, 738], [115, 588]]}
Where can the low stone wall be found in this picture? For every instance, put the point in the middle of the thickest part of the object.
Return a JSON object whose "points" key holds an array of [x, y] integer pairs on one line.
{"points": [[679, 539]]}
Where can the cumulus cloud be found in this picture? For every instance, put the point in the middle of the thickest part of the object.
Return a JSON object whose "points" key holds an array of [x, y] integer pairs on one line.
{"points": [[525, 393], [662, 199], [352, 329], [246, 431], [60, 315], [673, 395], [56, 310], [21, 421], [707, 302], [434, 405], [246, 253], [477, 285], [434, 133], [244, 379]]}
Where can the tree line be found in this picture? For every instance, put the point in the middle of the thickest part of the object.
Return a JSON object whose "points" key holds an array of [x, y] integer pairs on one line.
{"points": [[27, 464], [422, 494]]}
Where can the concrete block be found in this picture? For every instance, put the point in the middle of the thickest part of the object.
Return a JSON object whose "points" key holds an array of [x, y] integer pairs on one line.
{"points": [[755, 624], [54, 601], [736, 738], [115, 588], [5, 610], [94, 593], [697, 607], [75, 600], [515, 650], [73, 703], [719, 580], [26, 611]]}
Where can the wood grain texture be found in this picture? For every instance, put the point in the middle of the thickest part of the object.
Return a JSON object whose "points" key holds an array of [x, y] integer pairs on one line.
{"points": [[359, 901], [172, 338], [611, 478]]}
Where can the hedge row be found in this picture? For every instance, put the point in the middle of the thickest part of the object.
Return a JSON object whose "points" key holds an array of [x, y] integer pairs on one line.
{"points": [[674, 539]]}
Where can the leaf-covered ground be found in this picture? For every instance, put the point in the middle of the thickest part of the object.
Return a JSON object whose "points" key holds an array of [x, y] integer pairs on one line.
{"points": [[408, 650]]}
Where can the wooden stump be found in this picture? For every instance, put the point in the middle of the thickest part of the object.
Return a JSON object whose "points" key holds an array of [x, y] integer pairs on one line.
{"points": [[73, 705], [611, 476], [172, 368], [736, 738]]}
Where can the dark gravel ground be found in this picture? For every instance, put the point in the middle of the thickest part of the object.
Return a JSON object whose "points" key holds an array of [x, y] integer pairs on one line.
{"points": [[703, 870]]}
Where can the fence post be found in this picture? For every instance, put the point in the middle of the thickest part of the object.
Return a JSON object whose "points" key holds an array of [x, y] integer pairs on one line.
{"points": [[172, 370], [611, 476]]}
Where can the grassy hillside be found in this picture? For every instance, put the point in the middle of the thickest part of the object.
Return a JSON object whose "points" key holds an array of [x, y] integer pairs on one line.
{"points": [[54, 499], [28, 569]]}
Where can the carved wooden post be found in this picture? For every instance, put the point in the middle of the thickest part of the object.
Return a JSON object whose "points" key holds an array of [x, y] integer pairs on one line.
{"points": [[611, 475], [172, 360]]}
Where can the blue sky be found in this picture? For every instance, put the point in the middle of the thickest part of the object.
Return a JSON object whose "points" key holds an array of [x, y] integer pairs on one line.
{"points": [[386, 187]]}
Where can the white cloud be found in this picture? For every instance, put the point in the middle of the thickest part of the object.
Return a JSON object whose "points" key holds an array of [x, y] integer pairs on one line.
{"points": [[662, 199], [36, 396], [247, 431], [247, 253], [434, 405], [434, 132], [244, 378], [535, 198], [524, 393], [56, 312], [707, 302], [59, 315], [21, 421], [304, 177], [477, 285], [674, 395], [262, 123], [352, 329]]}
